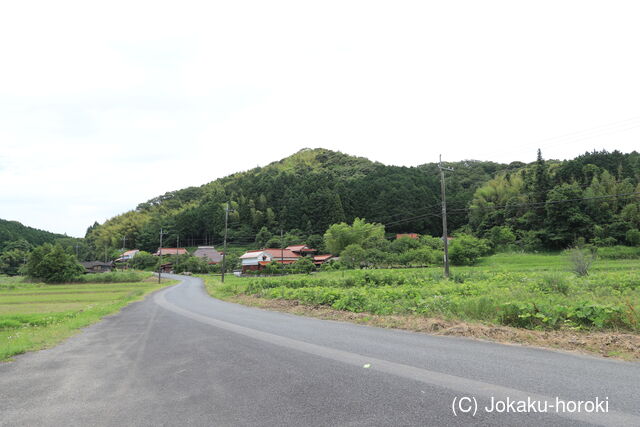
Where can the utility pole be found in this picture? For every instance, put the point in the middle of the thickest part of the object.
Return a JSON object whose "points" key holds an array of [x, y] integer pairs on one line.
{"points": [[177, 249], [281, 248], [160, 256], [77, 251], [226, 226], [124, 242], [444, 217]]}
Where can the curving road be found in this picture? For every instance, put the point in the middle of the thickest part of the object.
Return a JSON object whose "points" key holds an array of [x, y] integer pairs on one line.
{"points": [[182, 358]]}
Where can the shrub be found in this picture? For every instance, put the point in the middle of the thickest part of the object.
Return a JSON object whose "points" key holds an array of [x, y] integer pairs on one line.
{"points": [[554, 283], [581, 261], [144, 261], [632, 237], [113, 277], [353, 256], [466, 249], [303, 265], [52, 264], [501, 238]]}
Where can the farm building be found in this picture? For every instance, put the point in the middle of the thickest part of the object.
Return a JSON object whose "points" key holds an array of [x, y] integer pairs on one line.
{"points": [[210, 253], [171, 251], [256, 260], [409, 235], [96, 266]]}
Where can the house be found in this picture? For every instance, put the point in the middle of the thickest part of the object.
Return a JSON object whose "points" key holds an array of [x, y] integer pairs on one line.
{"points": [[166, 267], [128, 255], [210, 253], [96, 266], [409, 235], [318, 260], [171, 251], [301, 250], [258, 259]]}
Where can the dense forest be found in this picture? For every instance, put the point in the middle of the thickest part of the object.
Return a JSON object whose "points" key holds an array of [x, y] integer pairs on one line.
{"points": [[11, 231]]}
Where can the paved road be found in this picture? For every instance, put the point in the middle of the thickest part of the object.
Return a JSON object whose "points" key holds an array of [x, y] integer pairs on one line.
{"points": [[182, 358]]}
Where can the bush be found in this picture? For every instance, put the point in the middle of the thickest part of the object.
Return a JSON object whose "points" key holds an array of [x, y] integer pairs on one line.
{"points": [[353, 256], [114, 277], [554, 283], [632, 237], [52, 264], [144, 261], [581, 261], [466, 249], [303, 265], [501, 238]]}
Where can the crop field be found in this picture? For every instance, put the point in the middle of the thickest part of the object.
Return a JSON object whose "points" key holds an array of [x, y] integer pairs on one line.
{"points": [[36, 315], [528, 291]]}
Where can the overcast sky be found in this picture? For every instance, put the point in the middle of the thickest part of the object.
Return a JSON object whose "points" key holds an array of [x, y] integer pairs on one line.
{"points": [[107, 104]]}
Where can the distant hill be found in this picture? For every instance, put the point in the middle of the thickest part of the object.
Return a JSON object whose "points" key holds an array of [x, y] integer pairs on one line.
{"points": [[545, 204], [305, 192], [13, 230]]}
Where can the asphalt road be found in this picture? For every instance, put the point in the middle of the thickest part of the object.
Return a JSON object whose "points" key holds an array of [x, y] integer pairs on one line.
{"points": [[182, 358]]}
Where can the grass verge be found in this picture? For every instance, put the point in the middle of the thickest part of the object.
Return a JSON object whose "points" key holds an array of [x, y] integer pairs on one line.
{"points": [[34, 316]]}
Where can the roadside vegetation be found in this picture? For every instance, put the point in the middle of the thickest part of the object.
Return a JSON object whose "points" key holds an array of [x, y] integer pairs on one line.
{"points": [[35, 315], [536, 292]]}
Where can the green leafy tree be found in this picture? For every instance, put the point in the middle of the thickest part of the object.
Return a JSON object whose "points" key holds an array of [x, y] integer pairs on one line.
{"points": [[466, 249], [341, 235], [263, 236], [353, 256], [11, 261], [501, 237], [303, 265], [632, 237], [144, 261], [52, 264]]}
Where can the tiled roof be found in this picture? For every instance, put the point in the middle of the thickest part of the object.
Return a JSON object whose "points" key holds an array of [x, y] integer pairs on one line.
{"points": [[280, 253], [208, 252], [172, 251]]}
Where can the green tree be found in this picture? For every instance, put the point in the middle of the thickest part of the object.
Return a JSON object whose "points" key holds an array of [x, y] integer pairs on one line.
{"points": [[353, 256], [144, 261], [11, 261], [303, 265], [52, 264], [263, 237], [466, 249], [501, 237], [341, 235], [632, 237]]}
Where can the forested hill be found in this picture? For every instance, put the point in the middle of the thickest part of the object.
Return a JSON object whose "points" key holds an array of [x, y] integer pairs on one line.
{"points": [[305, 193], [545, 204], [13, 231]]}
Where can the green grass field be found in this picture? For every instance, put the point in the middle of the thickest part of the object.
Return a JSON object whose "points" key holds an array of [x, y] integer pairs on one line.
{"points": [[530, 291], [35, 315]]}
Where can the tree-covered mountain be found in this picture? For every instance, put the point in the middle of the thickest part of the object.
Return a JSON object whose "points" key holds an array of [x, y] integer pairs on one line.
{"points": [[544, 204], [13, 231], [304, 194]]}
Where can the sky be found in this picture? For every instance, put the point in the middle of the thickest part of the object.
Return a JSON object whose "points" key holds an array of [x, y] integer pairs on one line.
{"points": [[104, 105]]}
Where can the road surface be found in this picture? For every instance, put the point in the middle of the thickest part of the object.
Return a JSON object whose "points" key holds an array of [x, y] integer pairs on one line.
{"points": [[182, 358]]}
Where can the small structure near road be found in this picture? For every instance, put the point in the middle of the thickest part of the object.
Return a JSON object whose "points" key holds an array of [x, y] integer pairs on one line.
{"points": [[96, 267], [209, 253], [171, 251]]}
